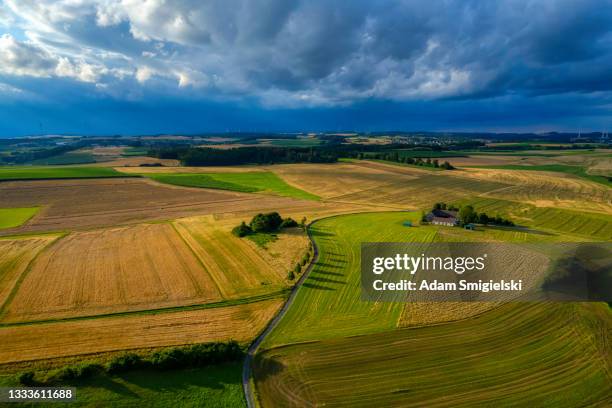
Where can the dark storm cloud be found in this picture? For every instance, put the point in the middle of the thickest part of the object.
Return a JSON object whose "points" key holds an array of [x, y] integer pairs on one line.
{"points": [[302, 54]]}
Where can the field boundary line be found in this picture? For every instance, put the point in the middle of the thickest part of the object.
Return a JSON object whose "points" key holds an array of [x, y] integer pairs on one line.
{"points": [[23, 275], [161, 310], [221, 291]]}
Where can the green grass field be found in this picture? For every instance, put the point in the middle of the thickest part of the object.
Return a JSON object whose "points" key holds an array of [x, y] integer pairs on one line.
{"points": [[330, 298], [332, 348], [29, 173], [577, 171], [215, 386], [248, 182], [14, 217], [531, 355]]}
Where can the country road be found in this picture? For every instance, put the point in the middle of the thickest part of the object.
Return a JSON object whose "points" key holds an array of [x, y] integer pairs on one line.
{"points": [[248, 361]]}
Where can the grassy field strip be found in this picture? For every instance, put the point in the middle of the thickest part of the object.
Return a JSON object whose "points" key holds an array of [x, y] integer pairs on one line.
{"points": [[248, 182], [14, 217], [45, 173], [145, 312], [71, 338], [518, 354]]}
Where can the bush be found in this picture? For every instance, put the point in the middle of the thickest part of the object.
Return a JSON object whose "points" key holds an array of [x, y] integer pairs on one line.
{"points": [[242, 230], [124, 362], [88, 370], [197, 355], [65, 374], [26, 378], [269, 222], [289, 223], [290, 275]]}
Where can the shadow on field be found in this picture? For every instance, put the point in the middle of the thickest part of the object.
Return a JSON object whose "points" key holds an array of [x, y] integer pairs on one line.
{"points": [[265, 367], [337, 260], [319, 233], [328, 265], [107, 383], [323, 272], [214, 377], [314, 286], [325, 280]]}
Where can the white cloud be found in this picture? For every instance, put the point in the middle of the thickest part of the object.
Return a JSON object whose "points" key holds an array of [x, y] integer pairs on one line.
{"points": [[80, 70], [143, 74], [22, 58]]}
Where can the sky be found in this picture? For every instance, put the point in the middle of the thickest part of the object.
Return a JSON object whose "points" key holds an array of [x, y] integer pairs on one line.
{"points": [[193, 66]]}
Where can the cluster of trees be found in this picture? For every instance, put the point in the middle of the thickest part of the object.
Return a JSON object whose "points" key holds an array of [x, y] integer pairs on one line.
{"points": [[417, 161], [269, 222], [467, 215], [206, 156], [197, 355]]}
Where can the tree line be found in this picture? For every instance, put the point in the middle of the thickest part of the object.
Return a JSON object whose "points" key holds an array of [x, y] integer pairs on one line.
{"points": [[206, 156], [196, 355], [417, 161]]}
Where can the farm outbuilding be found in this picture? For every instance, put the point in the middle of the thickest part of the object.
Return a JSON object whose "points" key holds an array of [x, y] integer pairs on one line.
{"points": [[443, 217]]}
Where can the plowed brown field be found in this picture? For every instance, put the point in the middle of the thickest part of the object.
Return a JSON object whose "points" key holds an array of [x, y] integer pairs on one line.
{"points": [[78, 204]]}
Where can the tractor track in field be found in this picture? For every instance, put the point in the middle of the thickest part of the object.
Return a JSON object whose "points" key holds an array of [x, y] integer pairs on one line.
{"points": [[248, 361]]}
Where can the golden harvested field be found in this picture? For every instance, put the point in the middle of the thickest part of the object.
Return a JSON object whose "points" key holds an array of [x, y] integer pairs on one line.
{"points": [[545, 189], [78, 204], [53, 340], [332, 180], [421, 192], [111, 270], [237, 265], [15, 256]]}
